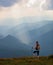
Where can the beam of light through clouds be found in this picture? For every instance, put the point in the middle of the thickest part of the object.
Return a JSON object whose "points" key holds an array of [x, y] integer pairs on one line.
{"points": [[42, 3], [30, 2]]}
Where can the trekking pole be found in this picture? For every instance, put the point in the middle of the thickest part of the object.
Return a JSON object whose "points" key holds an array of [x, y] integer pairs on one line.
{"points": [[32, 50]]}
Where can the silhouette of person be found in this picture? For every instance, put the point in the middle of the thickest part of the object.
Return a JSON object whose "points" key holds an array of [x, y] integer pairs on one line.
{"points": [[37, 48]]}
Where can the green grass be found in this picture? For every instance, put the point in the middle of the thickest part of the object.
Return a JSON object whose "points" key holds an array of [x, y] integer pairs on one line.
{"points": [[27, 61]]}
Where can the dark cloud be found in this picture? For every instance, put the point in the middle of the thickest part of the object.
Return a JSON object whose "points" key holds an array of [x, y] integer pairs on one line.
{"points": [[50, 6], [7, 3]]}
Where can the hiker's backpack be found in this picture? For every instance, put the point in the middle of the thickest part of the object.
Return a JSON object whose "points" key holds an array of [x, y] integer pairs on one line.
{"points": [[37, 47]]}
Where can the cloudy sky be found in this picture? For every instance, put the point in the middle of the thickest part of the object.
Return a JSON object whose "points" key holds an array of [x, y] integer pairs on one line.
{"points": [[12, 10], [21, 8]]}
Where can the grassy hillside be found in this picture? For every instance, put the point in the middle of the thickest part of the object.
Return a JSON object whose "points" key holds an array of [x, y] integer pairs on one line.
{"points": [[27, 61]]}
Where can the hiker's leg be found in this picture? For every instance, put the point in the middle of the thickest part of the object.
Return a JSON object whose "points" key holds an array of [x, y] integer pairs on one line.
{"points": [[34, 53], [38, 53]]}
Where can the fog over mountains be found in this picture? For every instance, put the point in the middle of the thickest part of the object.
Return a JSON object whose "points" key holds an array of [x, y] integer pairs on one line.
{"points": [[18, 40]]}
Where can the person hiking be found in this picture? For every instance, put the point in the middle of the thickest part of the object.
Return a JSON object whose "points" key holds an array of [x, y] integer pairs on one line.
{"points": [[36, 48]]}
